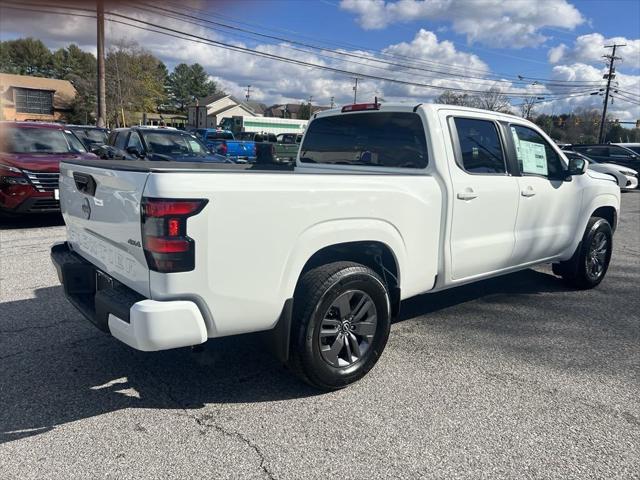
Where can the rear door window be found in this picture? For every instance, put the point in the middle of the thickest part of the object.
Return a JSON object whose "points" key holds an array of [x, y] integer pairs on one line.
{"points": [[480, 146], [594, 151], [379, 139], [619, 152]]}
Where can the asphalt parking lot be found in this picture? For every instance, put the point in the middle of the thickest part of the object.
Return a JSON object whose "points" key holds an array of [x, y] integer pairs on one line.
{"points": [[516, 377]]}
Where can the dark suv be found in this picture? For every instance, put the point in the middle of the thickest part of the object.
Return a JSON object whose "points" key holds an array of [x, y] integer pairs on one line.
{"points": [[30, 155], [159, 143], [608, 153]]}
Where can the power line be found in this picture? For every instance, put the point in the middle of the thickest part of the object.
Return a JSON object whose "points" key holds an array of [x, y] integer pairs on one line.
{"points": [[350, 45], [154, 8], [199, 39], [178, 15]]}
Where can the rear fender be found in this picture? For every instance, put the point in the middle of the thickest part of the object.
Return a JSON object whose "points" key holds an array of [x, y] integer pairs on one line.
{"points": [[333, 232]]}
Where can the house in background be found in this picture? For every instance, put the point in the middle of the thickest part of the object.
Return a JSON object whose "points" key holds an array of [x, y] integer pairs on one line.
{"points": [[289, 110], [24, 97], [208, 112]]}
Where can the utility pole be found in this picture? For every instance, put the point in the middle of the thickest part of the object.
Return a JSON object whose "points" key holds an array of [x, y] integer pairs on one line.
{"points": [[612, 58], [102, 102], [310, 106], [332, 102], [248, 95], [355, 91]]}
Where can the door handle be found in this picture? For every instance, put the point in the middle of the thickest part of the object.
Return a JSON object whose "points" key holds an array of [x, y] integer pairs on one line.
{"points": [[468, 194], [528, 192]]}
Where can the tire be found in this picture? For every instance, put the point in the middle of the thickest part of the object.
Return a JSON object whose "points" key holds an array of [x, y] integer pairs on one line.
{"points": [[589, 264], [341, 300]]}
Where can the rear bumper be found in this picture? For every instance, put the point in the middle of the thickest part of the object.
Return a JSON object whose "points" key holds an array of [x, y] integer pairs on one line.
{"points": [[143, 324]]}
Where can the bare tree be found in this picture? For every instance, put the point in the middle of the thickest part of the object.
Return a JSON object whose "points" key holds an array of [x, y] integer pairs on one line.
{"points": [[527, 107], [494, 100], [450, 97]]}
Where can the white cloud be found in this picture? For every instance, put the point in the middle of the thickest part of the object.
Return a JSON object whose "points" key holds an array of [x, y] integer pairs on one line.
{"points": [[556, 53], [590, 49], [498, 23]]}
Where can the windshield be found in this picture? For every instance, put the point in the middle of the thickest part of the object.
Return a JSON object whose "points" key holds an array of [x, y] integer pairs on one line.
{"points": [[245, 136], [220, 135], [39, 140], [91, 136], [634, 149], [174, 144]]}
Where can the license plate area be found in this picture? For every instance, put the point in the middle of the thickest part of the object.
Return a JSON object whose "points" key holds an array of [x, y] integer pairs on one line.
{"points": [[104, 281]]}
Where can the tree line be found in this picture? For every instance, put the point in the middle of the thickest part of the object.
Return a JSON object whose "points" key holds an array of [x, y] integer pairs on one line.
{"points": [[580, 126], [136, 80]]}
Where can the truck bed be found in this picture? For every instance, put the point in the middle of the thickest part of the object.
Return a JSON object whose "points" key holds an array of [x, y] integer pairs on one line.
{"points": [[160, 166]]}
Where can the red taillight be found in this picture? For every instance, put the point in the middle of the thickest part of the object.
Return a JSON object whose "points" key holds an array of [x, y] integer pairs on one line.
{"points": [[166, 245], [167, 208], [162, 245], [222, 148], [357, 107]]}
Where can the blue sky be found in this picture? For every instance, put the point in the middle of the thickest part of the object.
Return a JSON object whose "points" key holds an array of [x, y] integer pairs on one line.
{"points": [[491, 40], [324, 19]]}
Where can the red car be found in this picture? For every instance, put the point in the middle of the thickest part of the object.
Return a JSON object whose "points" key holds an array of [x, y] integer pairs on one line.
{"points": [[30, 155]]}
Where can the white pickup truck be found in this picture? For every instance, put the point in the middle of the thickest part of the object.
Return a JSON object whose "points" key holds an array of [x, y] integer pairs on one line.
{"points": [[385, 202]]}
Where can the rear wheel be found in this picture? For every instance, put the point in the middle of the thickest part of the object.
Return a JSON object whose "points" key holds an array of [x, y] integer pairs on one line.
{"points": [[589, 265], [341, 324]]}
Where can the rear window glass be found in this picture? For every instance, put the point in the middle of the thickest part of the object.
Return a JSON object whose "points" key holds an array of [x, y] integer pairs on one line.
{"points": [[220, 135], [381, 139], [91, 136], [174, 144], [246, 136]]}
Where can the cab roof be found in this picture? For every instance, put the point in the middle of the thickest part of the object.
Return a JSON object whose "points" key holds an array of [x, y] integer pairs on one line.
{"points": [[398, 106], [51, 125]]}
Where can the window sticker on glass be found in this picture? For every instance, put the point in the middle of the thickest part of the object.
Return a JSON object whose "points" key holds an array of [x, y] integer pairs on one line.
{"points": [[531, 156]]}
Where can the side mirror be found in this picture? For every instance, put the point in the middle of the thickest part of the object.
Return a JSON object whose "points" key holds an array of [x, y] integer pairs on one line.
{"points": [[577, 166], [134, 151]]}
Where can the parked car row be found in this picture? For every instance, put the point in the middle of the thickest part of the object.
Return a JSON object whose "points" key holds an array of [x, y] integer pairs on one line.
{"points": [[242, 147], [619, 161], [30, 153]]}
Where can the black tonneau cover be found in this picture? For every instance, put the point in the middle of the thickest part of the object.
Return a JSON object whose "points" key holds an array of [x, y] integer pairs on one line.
{"points": [[162, 166]]}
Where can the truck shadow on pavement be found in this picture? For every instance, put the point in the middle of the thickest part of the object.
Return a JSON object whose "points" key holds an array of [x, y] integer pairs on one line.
{"points": [[31, 221], [56, 368]]}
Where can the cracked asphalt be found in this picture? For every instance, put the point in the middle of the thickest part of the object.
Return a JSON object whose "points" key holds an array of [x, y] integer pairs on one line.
{"points": [[515, 377]]}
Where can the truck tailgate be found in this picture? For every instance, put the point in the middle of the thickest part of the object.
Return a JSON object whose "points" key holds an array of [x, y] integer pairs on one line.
{"points": [[101, 209]]}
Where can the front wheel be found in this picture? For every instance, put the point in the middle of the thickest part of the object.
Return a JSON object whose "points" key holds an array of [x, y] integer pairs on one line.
{"points": [[590, 263], [342, 318]]}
